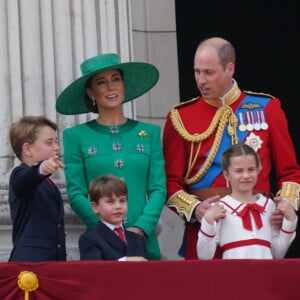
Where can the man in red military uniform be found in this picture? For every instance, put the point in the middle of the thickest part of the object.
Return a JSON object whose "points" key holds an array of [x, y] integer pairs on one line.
{"points": [[198, 131]]}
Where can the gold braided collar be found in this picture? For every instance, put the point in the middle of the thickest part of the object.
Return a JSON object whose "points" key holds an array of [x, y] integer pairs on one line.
{"points": [[224, 115]]}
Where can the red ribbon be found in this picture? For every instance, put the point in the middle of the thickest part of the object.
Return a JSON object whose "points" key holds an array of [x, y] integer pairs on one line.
{"points": [[256, 210]]}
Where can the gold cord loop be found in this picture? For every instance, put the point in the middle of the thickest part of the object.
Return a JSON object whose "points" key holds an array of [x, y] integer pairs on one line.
{"points": [[223, 115]]}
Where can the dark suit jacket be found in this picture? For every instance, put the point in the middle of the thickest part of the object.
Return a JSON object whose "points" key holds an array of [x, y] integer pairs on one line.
{"points": [[101, 243], [37, 214]]}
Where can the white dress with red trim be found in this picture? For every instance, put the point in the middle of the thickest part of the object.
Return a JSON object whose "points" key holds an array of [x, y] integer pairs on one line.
{"points": [[246, 232]]}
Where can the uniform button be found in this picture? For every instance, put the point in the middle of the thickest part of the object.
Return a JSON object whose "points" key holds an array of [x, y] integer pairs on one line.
{"points": [[58, 246], [58, 225]]}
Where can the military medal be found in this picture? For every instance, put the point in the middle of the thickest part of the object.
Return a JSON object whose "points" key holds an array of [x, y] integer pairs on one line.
{"points": [[256, 123], [242, 126], [254, 141], [249, 124], [264, 124]]}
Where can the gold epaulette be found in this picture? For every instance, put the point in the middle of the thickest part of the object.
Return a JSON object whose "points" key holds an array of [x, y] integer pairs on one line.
{"points": [[185, 102], [184, 204], [290, 191], [259, 94]]}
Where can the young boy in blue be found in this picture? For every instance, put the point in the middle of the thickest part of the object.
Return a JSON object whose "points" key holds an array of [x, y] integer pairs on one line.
{"points": [[110, 240]]}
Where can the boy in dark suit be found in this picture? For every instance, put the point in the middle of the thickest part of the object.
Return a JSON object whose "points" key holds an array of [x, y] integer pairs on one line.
{"points": [[110, 240], [36, 205]]}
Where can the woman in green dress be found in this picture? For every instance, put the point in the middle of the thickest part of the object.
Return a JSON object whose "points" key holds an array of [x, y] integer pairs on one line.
{"points": [[114, 144]]}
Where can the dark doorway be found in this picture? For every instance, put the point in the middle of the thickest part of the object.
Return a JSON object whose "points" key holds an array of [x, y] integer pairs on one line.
{"points": [[267, 41]]}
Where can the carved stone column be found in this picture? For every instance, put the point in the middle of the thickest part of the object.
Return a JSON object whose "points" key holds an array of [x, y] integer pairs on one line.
{"points": [[42, 46]]}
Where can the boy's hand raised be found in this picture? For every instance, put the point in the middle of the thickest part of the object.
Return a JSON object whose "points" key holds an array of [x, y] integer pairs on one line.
{"points": [[51, 165]]}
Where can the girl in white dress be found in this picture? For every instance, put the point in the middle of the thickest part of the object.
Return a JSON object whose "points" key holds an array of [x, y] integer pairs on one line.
{"points": [[240, 222]]}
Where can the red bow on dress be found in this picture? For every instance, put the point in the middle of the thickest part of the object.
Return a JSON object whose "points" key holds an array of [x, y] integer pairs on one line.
{"points": [[256, 210]]}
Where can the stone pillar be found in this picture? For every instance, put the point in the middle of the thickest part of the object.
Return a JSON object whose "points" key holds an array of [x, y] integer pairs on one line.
{"points": [[42, 46]]}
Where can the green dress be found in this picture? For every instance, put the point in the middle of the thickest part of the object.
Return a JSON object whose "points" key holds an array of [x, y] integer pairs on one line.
{"points": [[131, 151]]}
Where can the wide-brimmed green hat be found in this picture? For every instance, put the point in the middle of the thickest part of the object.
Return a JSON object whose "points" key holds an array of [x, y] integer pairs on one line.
{"points": [[138, 77]]}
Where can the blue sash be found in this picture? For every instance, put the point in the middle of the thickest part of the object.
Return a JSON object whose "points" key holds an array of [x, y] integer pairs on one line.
{"points": [[216, 169]]}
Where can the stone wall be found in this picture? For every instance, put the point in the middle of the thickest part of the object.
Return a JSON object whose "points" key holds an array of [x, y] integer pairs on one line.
{"points": [[42, 45]]}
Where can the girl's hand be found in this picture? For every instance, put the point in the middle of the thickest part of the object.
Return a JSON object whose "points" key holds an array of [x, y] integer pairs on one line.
{"points": [[204, 206], [286, 208]]}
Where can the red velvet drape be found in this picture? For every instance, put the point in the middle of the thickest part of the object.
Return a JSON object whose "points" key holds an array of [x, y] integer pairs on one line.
{"points": [[214, 279]]}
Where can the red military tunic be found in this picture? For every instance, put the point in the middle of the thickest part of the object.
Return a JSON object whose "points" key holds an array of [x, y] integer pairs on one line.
{"points": [[192, 146]]}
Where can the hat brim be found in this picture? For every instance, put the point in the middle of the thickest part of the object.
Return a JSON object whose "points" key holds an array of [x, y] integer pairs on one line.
{"points": [[138, 78]]}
